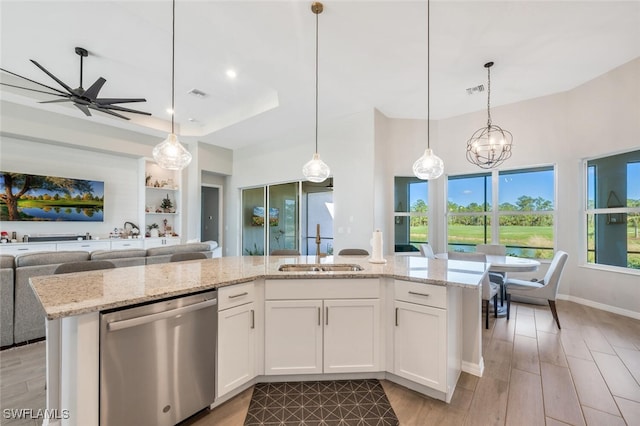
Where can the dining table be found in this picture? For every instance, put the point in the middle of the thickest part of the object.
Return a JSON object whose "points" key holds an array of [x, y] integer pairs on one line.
{"points": [[505, 264]]}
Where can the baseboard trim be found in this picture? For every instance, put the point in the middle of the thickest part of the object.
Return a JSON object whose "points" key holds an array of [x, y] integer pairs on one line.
{"points": [[601, 306], [473, 369]]}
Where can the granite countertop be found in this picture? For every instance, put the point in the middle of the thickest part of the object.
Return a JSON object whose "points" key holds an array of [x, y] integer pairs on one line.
{"points": [[79, 293]]}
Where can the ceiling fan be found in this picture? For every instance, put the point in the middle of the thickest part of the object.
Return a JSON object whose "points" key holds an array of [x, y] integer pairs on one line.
{"points": [[84, 100]]}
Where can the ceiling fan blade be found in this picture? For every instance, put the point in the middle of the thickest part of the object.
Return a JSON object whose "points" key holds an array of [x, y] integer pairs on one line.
{"points": [[109, 101], [83, 108], [32, 81], [60, 82], [62, 94], [119, 108], [106, 111], [92, 92], [56, 101]]}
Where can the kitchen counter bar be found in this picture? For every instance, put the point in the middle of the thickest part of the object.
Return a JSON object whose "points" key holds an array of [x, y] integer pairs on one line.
{"points": [[80, 293]]}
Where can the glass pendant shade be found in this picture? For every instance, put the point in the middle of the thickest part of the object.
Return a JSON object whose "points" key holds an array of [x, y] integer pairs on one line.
{"points": [[429, 166], [316, 170], [170, 154], [489, 147]]}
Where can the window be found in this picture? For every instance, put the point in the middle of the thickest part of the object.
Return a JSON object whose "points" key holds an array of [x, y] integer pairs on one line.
{"points": [[515, 208], [612, 210], [410, 213]]}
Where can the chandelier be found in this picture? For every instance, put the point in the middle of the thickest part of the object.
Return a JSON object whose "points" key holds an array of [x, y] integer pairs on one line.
{"points": [[316, 170], [429, 165], [489, 146]]}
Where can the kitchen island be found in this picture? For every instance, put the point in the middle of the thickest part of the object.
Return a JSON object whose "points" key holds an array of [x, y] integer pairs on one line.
{"points": [[392, 293]]}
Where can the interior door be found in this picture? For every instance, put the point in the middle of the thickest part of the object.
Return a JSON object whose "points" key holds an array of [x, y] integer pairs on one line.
{"points": [[210, 220]]}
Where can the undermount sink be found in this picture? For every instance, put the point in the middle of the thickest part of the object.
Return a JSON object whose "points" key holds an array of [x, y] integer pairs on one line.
{"points": [[320, 268]]}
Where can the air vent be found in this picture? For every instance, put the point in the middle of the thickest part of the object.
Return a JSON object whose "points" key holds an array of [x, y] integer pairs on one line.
{"points": [[197, 93], [476, 89]]}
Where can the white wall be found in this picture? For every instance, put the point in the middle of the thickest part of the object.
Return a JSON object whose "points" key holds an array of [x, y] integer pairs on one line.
{"points": [[347, 146], [120, 174]]}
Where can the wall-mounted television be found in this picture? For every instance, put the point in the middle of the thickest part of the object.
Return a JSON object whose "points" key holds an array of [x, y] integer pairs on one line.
{"points": [[26, 197]]}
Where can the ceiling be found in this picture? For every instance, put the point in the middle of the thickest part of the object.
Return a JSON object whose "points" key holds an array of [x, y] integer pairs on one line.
{"points": [[373, 54]]}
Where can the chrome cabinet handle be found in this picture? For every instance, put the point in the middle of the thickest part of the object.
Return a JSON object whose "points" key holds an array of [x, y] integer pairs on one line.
{"points": [[253, 319], [419, 294], [319, 313], [396, 317], [326, 319], [233, 296]]}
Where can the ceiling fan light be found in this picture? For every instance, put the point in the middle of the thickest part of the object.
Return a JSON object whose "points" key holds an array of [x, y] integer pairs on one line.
{"points": [[171, 154], [316, 170], [429, 166]]}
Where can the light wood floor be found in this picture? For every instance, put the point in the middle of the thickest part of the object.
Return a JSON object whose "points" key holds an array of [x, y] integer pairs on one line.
{"points": [[587, 373]]}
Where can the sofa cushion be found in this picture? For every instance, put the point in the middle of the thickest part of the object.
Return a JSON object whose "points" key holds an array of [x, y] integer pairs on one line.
{"points": [[180, 248], [50, 257], [6, 261], [121, 258]]}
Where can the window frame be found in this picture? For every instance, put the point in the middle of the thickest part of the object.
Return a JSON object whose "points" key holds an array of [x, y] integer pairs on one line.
{"points": [[586, 211], [401, 216], [494, 213]]}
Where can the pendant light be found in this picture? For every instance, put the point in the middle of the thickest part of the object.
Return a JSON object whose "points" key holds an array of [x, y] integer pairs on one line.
{"points": [[489, 146], [316, 170], [429, 166], [170, 153]]}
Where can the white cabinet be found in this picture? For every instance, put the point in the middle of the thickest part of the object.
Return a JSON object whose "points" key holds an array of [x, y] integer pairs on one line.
{"points": [[18, 249], [427, 346], [319, 326], [351, 335], [127, 244], [236, 337], [159, 242], [293, 337], [420, 344], [86, 245]]}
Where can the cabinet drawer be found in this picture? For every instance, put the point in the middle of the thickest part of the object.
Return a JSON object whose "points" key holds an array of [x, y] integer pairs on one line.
{"points": [[126, 244], [300, 289], [235, 295], [84, 246], [421, 294], [17, 249]]}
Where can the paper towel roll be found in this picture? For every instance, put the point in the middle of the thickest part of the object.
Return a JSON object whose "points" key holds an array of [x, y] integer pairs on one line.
{"points": [[376, 246]]}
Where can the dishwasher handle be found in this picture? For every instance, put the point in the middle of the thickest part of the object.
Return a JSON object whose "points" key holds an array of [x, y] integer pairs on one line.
{"points": [[120, 325]]}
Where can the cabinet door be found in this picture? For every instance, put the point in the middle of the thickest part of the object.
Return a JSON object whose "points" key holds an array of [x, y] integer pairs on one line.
{"points": [[236, 347], [293, 337], [351, 336], [420, 344]]}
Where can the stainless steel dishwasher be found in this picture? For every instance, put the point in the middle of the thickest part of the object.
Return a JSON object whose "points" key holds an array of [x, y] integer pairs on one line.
{"points": [[157, 361]]}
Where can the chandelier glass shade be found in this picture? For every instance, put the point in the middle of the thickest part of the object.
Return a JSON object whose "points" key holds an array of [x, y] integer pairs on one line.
{"points": [[316, 170], [170, 153], [489, 146], [429, 165]]}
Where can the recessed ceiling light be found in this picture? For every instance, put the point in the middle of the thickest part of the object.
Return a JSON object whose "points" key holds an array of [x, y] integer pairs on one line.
{"points": [[169, 111], [231, 74]]}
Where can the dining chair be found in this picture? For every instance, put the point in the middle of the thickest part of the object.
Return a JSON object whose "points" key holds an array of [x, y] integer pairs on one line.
{"points": [[285, 253], [83, 266], [190, 255], [353, 252], [546, 289], [427, 251], [489, 289], [495, 277]]}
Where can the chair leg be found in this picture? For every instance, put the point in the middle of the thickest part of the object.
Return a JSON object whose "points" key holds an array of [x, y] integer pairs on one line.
{"points": [[495, 305], [508, 306], [502, 292], [554, 312], [486, 314]]}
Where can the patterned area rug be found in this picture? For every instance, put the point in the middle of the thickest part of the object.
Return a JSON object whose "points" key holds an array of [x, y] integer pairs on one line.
{"points": [[325, 403]]}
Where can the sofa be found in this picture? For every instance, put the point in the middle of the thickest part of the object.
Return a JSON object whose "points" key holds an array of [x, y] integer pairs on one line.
{"points": [[6, 300], [23, 318]]}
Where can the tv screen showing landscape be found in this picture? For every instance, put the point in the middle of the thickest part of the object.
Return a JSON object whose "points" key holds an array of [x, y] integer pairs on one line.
{"points": [[26, 197]]}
